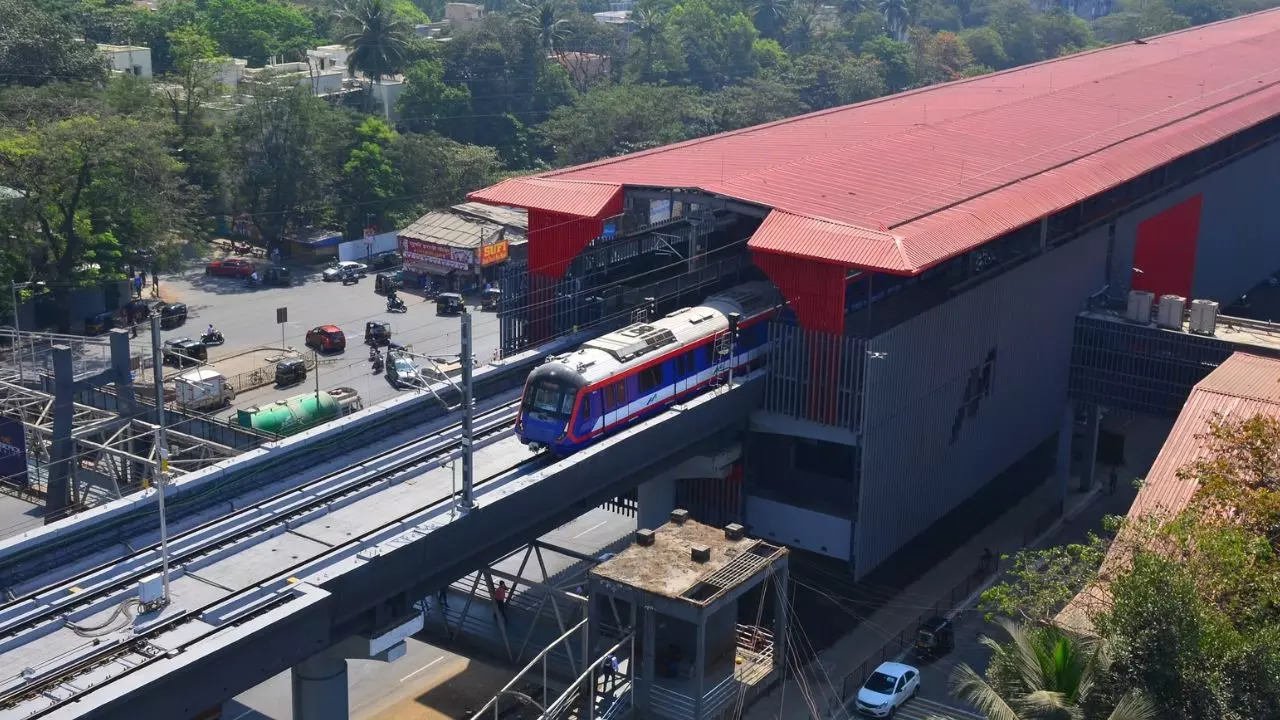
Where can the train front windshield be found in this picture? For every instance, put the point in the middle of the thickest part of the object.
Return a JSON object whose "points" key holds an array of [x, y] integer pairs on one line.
{"points": [[551, 400]]}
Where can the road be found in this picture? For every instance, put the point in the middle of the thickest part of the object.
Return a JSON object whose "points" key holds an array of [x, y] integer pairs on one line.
{"points": [[430, 683], [247, 317]]}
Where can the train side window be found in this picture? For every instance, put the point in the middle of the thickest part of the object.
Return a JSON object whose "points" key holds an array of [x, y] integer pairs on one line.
{"points": [[612, 397], [650, 379]]}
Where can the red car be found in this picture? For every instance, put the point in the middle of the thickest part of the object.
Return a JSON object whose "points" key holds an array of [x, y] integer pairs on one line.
{"points": [[230, 267], [327, 338]]}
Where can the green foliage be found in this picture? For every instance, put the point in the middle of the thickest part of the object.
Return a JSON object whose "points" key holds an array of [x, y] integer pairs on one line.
{"points": [[375, 35], [610, 120], [371, 182], [38, 47], [428, 104], [258, 30], [1039, 583]]}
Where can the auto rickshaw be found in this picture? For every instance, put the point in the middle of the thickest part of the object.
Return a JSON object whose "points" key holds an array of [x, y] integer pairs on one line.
{"points": [[490, 299], [935, 637], [386, 283], [290, 371], [449, 304], [377, 332], [278, 276], [100, 323]]}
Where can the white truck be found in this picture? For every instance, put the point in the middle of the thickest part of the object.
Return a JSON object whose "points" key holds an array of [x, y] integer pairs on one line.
{"points": [[203, 389]]}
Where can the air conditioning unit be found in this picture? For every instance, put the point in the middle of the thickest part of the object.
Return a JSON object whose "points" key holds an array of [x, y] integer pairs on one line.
{"points": [[1139, 308], [1204, 317], [1169, 314]]}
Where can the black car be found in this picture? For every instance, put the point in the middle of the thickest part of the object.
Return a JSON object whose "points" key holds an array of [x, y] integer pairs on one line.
{"points": [[171, 314], [184, 352], [385, 260], [290, 372]]}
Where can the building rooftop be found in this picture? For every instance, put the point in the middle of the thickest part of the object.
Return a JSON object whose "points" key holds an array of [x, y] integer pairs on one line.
{"points": [[901, 183], [667, 567], [1243, 386], [121, 48], [449, 228], [511, 217]]}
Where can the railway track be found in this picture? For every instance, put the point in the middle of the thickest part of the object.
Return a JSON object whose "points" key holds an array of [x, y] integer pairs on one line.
{"points": [[109, 652]]}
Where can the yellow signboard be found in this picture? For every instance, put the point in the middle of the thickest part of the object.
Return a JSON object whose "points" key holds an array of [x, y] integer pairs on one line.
{"points": [[494, 253]]}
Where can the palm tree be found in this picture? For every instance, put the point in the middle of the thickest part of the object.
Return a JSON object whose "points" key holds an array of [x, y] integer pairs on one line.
{"points": [[895, 15], [770, 16], [542, 17], [375, 38], [1054, 677], [648, 25]]}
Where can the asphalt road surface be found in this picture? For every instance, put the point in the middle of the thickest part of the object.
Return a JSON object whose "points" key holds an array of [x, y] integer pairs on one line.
{"points": [[247, 318]]}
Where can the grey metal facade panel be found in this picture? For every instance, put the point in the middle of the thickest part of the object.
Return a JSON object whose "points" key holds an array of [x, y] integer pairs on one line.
{"points": [[943, 416], [1237, 244]]}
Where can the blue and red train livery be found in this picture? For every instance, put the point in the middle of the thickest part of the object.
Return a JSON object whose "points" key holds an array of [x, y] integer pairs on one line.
{"points": [[575, 399]]}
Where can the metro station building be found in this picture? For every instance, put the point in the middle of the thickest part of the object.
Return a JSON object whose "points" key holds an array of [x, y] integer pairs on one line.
{"points": [[935, 249]]}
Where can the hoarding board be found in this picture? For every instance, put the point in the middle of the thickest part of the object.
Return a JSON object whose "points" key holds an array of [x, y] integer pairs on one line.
{"points": [[13, 452]]}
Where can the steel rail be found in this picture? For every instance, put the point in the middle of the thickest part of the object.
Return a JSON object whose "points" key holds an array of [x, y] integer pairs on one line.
{"points": [[47, 607]]}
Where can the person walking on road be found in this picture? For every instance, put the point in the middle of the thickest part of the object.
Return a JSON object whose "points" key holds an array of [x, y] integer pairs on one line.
{"points": [[1112, 481]]}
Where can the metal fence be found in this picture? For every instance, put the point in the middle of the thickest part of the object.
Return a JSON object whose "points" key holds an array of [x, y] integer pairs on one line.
{"points": [[815, 376], [33, 353]]}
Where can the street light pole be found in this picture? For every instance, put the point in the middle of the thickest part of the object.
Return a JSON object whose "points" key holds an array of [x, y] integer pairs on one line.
{"points": [[17, 330], [316, 359], [162, 450], [468, 415]]}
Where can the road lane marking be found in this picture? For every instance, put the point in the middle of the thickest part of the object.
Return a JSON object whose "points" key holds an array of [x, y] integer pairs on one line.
{"points": [[593, 527], [424, 668]]}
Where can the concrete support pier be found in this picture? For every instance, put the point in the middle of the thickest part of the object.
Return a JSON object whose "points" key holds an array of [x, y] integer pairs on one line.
{"points": [[320, 688], [655, 500]]}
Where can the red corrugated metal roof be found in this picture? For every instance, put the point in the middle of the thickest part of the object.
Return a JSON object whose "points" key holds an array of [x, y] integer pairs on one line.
{"points": [[947, 168], [567, 197], [1242, 387]]}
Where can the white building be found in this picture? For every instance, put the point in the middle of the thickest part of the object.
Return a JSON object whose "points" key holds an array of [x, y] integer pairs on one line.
{"points": [[327, 57], [620, 19], [129, 59], [461, 16]]}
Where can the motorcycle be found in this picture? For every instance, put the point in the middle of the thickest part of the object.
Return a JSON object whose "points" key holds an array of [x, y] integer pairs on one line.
{"points": [[395, 304], [213, 338], [251, 282]]}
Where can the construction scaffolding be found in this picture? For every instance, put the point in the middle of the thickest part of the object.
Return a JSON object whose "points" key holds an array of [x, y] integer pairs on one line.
{"points": [[111, 455]]}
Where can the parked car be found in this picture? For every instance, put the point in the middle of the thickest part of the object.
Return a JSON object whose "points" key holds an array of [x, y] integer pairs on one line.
{"points": [[171, 314], [886, 689], [230, 267], [183, 352], [402, 372], [290, 371], [386, 260], [327, 338], [334, 272]]}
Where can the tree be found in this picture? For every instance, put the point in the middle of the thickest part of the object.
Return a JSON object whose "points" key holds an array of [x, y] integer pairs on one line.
{"points": [[986, 46], [940, 57], [258, 30], [543, 19], [428, 103], [861, 79], [371, 184], [376, 38], [95, 189], [896, 17], [285, 149], [1061, 33], [193, 53], [895, 58], [770, 17], [1133, 19], [755, 102], [620, 119], [717, 46], [438, 172], [37, 47], [1045, 674]]}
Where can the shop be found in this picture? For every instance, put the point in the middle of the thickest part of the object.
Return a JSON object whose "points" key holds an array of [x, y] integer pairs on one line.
{"points": [[452, 252]]}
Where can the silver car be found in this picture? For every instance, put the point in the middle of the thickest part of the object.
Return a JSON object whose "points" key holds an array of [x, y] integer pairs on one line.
{"points": [[335, 272], [402, 372]]}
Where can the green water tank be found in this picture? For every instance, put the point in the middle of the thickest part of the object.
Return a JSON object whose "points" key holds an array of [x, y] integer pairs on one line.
{"points": [[292, 415]]}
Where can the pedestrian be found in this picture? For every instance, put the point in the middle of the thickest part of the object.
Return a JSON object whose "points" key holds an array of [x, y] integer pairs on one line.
{"points": [[607, 681], [142, 274], [500, 599], [1112, 481], [615, 674], [137, 286]]}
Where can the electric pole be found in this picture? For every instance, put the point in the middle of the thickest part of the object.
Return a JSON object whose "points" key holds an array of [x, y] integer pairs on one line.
{"points": [[162, 449], [468, 411], [315, 358]]}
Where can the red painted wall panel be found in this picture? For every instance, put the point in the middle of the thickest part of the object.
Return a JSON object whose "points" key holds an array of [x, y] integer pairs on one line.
{"points": [[1164, 258]]}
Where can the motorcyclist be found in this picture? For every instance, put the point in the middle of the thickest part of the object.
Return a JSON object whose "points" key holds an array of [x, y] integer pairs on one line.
{"points": [[208, 332], [253, 279]]}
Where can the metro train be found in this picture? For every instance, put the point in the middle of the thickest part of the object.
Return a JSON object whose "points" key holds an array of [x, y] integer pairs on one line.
{"points": [[606, 384]]}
